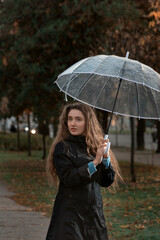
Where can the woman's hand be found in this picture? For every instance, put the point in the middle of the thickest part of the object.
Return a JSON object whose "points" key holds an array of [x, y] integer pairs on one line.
{"points": [[100, 153], [106, 155]]}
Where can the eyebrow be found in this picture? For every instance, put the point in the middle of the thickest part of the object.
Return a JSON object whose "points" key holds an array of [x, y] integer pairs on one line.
{"points": [[75, 117]]}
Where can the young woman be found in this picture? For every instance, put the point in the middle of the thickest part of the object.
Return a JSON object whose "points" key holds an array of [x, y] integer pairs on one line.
{"points": [[77, 157]]}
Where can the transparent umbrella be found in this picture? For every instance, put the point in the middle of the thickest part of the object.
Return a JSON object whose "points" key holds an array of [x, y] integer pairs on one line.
{"points": [[114, 84]]}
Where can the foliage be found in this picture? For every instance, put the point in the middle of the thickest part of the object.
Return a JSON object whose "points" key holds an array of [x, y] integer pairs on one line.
{"points": [[45, 38], [154, 15], [48, 36], [28, 68], [131, 212]]}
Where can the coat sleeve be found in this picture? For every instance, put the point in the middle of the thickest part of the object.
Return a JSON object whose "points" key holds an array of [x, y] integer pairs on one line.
{"points": [[105, 175], [67, 173]]}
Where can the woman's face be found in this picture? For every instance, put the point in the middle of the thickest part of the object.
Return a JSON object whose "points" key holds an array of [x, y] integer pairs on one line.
{"points": [[76, 122]]}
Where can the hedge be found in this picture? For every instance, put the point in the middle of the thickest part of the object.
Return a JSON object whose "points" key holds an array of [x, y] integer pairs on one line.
{"points": [[8, 141]]}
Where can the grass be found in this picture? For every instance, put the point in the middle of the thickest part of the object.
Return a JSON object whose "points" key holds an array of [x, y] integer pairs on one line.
{"points": [[131, 213]]}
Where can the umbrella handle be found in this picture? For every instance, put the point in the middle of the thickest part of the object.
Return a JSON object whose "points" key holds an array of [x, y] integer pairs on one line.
{"points": [[108, 144], [107, 148]]}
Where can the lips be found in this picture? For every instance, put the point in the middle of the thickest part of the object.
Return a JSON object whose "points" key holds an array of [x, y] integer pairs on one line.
{"points": [[73, 129]]}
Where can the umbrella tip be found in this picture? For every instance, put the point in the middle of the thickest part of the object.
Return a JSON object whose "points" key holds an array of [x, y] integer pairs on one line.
{"points": [[66, 99], [127, 54]]}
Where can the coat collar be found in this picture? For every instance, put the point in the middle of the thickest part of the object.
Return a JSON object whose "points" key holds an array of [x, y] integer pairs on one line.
{"points": [[77, 138]]}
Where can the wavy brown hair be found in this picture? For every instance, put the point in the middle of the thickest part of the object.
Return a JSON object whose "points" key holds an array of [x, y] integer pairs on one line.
{"points": [[93, 130]]}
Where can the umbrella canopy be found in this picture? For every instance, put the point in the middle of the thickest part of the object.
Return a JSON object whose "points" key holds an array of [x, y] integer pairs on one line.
{"points": [[95, 81]]}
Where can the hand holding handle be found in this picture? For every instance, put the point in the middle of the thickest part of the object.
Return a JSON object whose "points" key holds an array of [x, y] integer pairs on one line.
{"points": [[108, 144], [107, 148]]}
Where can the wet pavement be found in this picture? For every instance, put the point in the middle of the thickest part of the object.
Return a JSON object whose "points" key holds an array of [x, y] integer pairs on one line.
{"points": [[18, 222]]}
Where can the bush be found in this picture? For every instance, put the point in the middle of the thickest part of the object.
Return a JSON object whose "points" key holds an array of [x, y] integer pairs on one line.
{"points": [[8, 141]]}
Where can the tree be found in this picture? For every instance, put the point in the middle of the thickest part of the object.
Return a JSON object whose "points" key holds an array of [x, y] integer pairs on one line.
{"points": [[158, 135], [27, 77], [103, 119], [33, 40], [132, 124], [48, 36], [154, 25], [140, 134], [4, 111]]}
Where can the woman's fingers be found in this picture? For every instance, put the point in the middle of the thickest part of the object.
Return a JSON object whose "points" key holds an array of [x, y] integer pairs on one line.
{"points": [[102, 148], [104, 141], [106, 155]]}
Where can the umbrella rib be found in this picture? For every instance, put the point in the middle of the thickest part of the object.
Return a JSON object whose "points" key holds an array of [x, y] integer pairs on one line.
{"points": [[76, 73], [100, 92], [117, 78], [62, 74], [144, 84], [93, 70], [70, 80], [80, 90], [142, 74], [121, 114], [155, 103], [88, 78]]}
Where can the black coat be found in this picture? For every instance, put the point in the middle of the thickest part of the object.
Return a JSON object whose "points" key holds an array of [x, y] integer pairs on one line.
{"points": [[78, 208]]}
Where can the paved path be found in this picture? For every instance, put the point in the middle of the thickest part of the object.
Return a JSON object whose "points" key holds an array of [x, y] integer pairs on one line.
{"points": [[18, 222], [124, 140], [146, 157], [121, 144]]}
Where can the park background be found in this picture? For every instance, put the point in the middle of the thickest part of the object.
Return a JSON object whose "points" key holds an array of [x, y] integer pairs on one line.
{"points": [[40, 39]]}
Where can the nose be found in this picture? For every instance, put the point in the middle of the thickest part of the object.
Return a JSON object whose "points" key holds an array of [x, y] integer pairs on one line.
{"points": [[73, 122]]}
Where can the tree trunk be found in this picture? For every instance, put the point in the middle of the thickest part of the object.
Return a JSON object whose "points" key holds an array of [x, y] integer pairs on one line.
{"points": [[116, 127], [97, 114], [122, 122], [105, 121], [4, 126], [133, 176], [29, 134], [18, 135], [44, 146], [158, 135], [102, 117], [140, 134]]}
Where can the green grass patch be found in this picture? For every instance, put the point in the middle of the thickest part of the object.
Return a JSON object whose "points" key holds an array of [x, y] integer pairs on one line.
{"points": [[131, 213]]}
